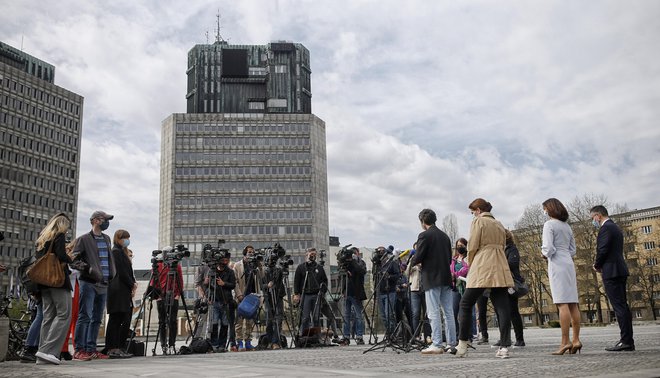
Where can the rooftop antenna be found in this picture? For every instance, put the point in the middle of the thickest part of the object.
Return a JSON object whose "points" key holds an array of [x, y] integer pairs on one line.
{"points": [[218, 37]]}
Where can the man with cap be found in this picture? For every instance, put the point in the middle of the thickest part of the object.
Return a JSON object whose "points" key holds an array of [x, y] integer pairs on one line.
{"points": [[93, 259]]}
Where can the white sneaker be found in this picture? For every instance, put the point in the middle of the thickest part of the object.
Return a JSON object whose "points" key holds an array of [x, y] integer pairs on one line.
{"points": [[48, 357], [432, 349], [502, 353]]}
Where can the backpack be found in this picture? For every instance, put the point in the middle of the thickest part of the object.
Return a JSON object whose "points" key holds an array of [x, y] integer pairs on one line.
{"points": [[249, 306], [200, 345], [27, 284]]}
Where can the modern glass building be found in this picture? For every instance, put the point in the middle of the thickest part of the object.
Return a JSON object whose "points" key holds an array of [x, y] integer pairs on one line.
{"points": [[40, 129], [247, 163]]}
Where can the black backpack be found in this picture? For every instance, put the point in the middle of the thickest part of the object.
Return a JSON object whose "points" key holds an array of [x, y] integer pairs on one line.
{"points": [[200, 345], [30, 287]]}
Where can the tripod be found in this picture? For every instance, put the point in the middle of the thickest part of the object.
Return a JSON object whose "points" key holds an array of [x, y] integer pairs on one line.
{"points": [[389, 339], [153, 290], [168, 326]]}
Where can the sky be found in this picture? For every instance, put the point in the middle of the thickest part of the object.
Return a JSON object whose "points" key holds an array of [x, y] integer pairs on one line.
{"points": [[427, 104]]}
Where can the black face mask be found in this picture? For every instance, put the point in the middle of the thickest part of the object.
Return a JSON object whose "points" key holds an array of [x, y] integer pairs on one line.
{"points": [[462, 250], [104, 226]]}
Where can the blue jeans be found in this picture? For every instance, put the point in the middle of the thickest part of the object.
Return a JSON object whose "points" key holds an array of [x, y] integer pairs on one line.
{"points": [[457, 301], [353, 311], [34, 332], [90, 311], [220, 322], [386, 303], [440, 299]]}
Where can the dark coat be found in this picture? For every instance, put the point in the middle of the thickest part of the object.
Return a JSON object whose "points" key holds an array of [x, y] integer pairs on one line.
{"points": [[513, 258], [87, 252], [609, 251], [119, 290], [434, 253], [356, 270], [309, 278], [59, 249], [389, 276]]}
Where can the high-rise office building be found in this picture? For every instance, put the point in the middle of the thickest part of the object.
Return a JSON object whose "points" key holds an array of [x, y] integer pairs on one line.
{"points": [[247, 163], [40, 128]]}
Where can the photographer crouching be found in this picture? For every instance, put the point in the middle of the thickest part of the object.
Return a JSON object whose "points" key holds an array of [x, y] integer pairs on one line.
{"points": [[221, 281], [352, 271]]}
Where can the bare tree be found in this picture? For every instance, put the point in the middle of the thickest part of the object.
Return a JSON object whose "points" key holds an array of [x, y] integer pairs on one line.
{"points": [[529, 234], [450, 227]]}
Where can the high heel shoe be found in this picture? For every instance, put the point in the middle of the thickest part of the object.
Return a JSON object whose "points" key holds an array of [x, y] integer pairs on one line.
{"points": [[576, 348], [563, 349]]}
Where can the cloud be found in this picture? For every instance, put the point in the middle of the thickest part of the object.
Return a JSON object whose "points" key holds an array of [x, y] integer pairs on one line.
{"points": [[428, 105]]}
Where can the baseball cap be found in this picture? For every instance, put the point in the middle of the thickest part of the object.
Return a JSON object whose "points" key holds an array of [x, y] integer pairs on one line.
{"points": [[101, 214]]}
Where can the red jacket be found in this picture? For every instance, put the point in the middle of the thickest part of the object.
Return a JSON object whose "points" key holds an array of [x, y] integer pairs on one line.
{"points": [[163, 271]]}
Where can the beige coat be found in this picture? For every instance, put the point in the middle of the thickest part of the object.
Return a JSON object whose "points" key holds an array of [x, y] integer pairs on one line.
{"points": [[488, 263], [239, 271]]}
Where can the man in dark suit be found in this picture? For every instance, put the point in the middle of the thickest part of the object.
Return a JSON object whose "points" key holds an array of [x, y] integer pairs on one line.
{"points": [[612, 266], [434, 253]]}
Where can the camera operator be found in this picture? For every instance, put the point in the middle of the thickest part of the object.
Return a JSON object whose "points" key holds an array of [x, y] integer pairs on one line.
{"points": [[223, 284], [389, 276], [309, 279], [167, 331], [274, 300], [353, 289], [249, 273]]}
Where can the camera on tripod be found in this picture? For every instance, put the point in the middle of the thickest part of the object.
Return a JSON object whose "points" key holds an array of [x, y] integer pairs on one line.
{"points": [[380, 255], [277, 258], [212, 255], [175, 255], [345, 256]]}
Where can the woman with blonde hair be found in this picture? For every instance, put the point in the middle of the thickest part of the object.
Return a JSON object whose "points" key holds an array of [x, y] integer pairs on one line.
{"points": [[120, 296], [558, 248], [56, 301], [489, 269]]}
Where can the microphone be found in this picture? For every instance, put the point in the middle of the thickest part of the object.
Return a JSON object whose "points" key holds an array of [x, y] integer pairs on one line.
{"points": [[403, 254]]}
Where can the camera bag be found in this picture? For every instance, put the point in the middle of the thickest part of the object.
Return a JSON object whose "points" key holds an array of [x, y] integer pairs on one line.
{"points": [[249, 306]]}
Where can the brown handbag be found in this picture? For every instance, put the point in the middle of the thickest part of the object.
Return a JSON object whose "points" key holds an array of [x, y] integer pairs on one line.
{"points": [[47, 270]]}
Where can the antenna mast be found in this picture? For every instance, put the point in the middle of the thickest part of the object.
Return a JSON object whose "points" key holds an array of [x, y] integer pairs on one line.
{"points": [[218, 37]]}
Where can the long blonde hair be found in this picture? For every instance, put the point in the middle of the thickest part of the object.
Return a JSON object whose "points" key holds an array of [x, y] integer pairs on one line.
{"points": [[58, 224]]}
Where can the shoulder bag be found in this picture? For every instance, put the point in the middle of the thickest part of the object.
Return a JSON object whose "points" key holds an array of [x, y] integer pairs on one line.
{"points": [[47, 270]]}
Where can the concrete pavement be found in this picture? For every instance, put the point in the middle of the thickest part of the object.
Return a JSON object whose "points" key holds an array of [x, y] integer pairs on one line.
{"points": [[534, 360]]}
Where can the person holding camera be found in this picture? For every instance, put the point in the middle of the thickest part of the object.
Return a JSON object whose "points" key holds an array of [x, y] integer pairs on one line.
{"points": [[308, 281], [248, 273], [353, 289], [389, 272], [275, 293], [221, 285], [168, 294]]}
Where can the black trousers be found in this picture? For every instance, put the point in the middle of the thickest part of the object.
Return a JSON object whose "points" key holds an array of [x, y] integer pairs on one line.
{"points": [[164, 329], [482, 315], [119, 324], [516, 319], [308, 303], [615, 288], [500, 298]]}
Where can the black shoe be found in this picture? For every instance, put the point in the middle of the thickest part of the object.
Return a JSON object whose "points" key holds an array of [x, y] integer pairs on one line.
{"points": [[28, 355], [451, 349], [483, 341], [66, 356], [497, 344], [519, 343], [620, 346], [344, 341], [359, 341]]}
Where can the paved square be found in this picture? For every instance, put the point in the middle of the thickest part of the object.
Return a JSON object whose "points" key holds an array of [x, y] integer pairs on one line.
{"points": [[534, 360]]}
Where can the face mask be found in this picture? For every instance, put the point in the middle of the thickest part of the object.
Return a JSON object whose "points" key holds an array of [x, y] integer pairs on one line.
{"points": [[462, 250], [127, 242], [545, 212], [595, 223], [104, 226], [312, 258]]}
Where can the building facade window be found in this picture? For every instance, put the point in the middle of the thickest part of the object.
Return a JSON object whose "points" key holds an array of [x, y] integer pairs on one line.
{"points": [[646, 229], [649, 245], [652, 261]]}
